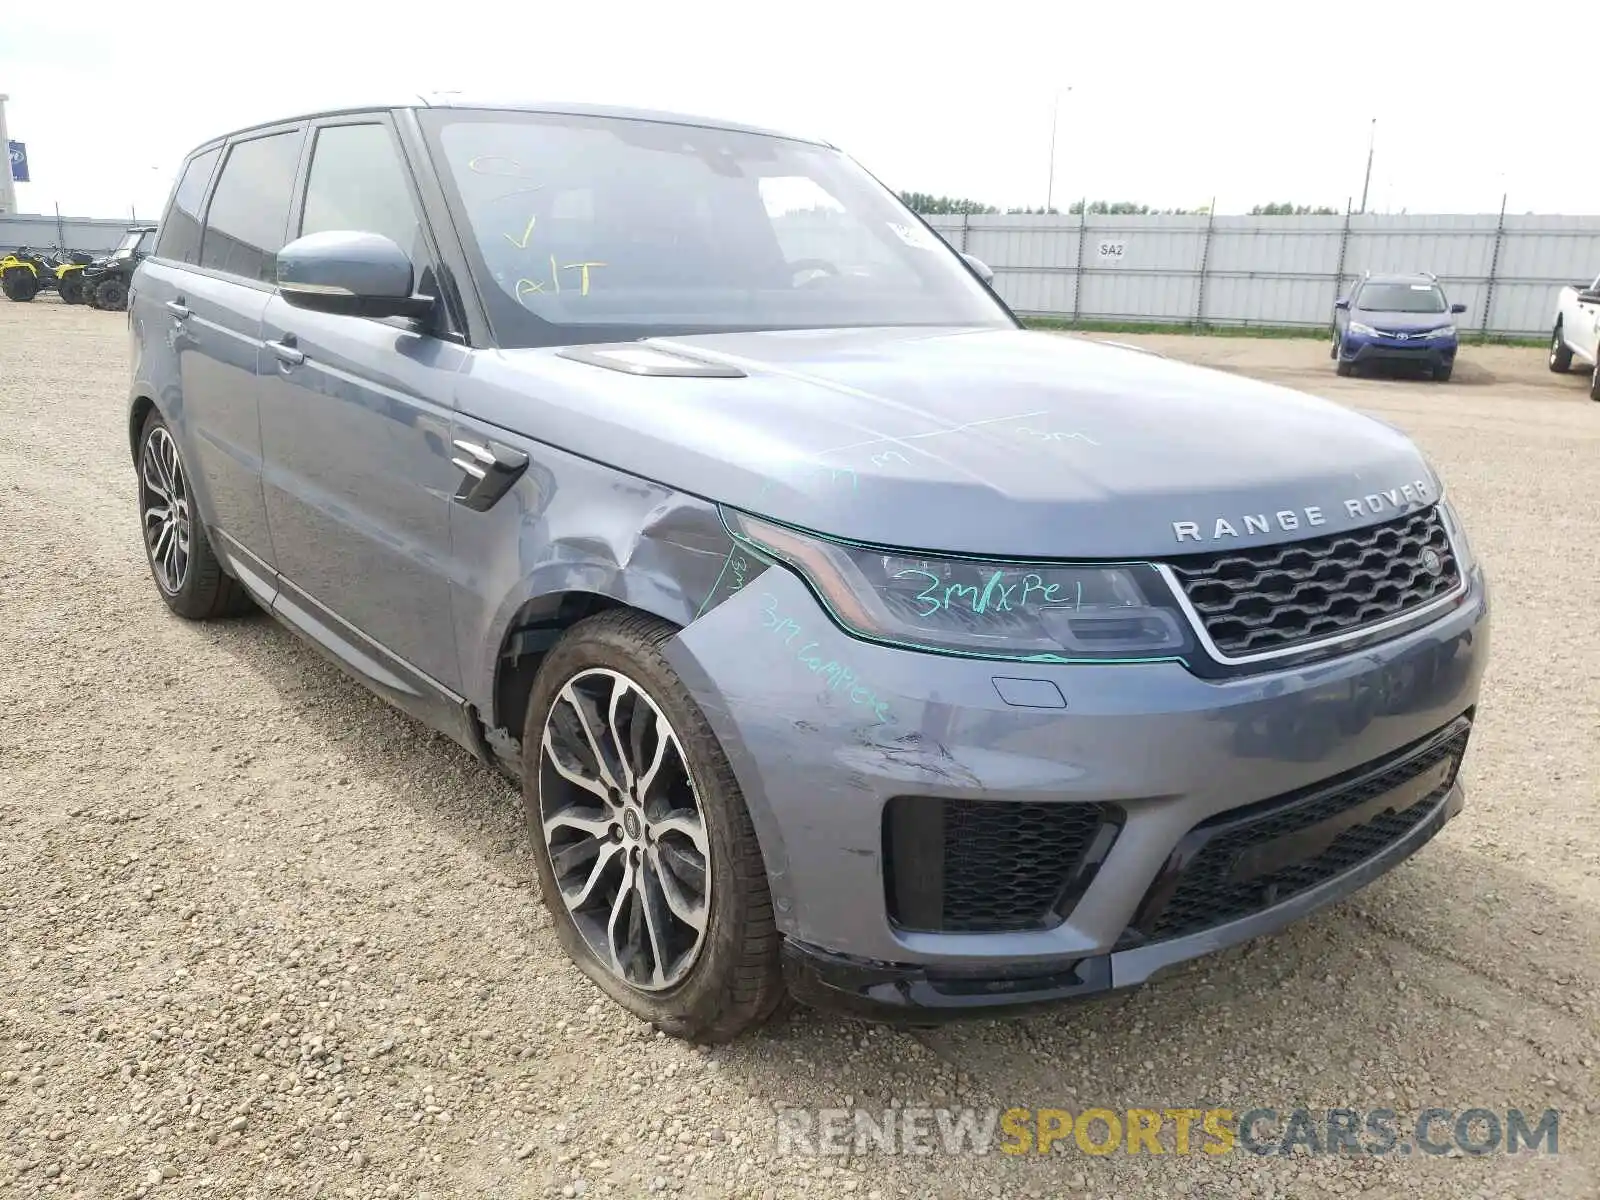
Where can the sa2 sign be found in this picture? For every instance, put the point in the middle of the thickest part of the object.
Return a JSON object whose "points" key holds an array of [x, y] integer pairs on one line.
{"points": [[1110, 252]]}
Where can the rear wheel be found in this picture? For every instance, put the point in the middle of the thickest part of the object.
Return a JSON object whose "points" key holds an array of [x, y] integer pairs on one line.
{"points": [[186, 571], [646, 855], [111, 294], [19, 284], [1594, 379], [1560, 352]]}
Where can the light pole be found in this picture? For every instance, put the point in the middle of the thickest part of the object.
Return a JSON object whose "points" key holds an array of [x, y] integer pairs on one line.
{"points": [[8, 190], [1055, 115], [1372, 141]]}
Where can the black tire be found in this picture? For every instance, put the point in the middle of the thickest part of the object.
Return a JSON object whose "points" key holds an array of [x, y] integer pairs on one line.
{"points": [[735, 983], [1333, 347], [111, 294], [1560, 352], [1442, 374], [198, 589], [72, 290], [1344, 368], [19, 285], [1594, 380]]}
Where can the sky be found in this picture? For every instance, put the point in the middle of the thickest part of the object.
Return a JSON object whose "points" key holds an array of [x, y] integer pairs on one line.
{"points": [[1168, 104]]}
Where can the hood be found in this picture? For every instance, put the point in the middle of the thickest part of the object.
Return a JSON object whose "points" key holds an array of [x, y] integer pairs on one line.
{"points": [[988, 442], [1406, 321]]}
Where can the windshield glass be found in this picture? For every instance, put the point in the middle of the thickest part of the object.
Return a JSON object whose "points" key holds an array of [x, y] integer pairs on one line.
{"points": [[127, 246], [1402, 297], [589, 229]]}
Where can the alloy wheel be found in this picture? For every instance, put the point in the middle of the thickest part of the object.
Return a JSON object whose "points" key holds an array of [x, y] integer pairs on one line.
{"points": [[624, 828], [164, 510]]}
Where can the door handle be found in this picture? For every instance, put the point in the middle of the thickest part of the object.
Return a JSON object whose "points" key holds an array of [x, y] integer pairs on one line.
{"points": [[287, 352], [178, 310]]}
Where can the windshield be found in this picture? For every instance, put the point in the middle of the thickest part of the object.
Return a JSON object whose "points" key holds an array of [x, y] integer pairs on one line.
{"points": [[589, 229], [1402, 297], [127, 245]]}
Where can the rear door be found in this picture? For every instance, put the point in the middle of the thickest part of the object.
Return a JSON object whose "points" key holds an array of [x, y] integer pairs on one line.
{"points": [[355, 420], [215, 309]]}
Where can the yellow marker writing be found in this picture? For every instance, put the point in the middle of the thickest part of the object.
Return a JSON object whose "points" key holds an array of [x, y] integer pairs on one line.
{"points": [[555, 275], [527, 287], [526, 234], [585, 266]]}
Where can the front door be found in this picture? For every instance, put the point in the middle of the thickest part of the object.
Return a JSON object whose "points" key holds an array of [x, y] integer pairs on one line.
{"points": [[355, 427]]}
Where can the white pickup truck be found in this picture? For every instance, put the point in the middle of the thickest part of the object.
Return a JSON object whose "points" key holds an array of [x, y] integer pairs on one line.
{"points": [[1576, 334]]}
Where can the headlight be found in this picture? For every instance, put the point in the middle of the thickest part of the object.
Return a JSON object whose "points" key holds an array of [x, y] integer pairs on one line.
{"points": [[1362, 329], [1443, 331], [1035, 612]]}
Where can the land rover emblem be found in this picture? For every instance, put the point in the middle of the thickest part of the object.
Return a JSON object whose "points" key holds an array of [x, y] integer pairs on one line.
{"points": [[1431, 562]]}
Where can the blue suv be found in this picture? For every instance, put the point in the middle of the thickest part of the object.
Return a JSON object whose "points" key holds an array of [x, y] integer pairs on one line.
{"points": [[1396, 319]]}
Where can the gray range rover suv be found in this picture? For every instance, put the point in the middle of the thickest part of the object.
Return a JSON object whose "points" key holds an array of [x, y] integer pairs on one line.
{"points": [[849, 641]]}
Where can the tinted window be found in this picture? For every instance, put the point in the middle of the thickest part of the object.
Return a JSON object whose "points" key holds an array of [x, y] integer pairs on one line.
{"points": [[588, 228], [250, 208], [180, 232], [1402, 297], [357, 182]]}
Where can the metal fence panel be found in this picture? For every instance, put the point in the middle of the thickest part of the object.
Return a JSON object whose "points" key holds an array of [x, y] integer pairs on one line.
{"points": [[70, 233], [1245, 270]]}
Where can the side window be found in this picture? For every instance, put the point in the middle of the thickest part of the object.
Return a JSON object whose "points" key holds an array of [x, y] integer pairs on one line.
{"points": [[180, 232], [250, 207], [357, 182]]}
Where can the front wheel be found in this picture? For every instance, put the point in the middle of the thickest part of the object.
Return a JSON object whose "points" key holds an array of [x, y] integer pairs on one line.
{"points": [[72, 290], [111, 294], [1560, 352], [20, 285], [1344, 368], [1594, 379], [1442, 374], [646, 855]]}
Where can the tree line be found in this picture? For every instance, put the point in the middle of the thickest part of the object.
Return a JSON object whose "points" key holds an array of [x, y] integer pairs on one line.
{"points": [[930, 205]]}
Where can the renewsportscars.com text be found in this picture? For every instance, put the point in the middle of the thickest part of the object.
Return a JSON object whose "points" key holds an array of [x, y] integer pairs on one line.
{"points": [[1180, 1131]]}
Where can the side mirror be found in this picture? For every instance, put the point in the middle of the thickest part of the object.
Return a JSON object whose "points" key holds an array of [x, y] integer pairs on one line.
{"points": [[1342, 304], [983, 269], [351, 274], [1458, 308]]}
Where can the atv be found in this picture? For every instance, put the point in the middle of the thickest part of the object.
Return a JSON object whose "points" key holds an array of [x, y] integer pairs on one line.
{"points": [[106, 282], [25, 273]]}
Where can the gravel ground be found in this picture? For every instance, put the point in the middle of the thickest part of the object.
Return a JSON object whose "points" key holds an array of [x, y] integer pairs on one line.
{"points": [[265, 936]]}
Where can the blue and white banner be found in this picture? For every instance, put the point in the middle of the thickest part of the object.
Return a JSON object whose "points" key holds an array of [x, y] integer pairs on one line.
{"points": [[19, 161]]}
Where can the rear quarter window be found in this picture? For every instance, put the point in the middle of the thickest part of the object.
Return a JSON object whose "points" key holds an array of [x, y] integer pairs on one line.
{"points": [[180, 231]]}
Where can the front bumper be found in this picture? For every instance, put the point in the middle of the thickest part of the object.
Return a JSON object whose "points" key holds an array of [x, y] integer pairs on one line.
{"points": [[1433, 354], [824, 731]]}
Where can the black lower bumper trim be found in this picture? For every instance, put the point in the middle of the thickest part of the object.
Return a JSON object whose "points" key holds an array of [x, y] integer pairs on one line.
{"points": [[889, 991], [918, 994]]}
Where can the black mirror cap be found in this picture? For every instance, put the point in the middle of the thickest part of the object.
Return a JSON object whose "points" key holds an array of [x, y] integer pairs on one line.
{"points": [[349, 273], [983, 270], [1458, 308], [1342, 304]]}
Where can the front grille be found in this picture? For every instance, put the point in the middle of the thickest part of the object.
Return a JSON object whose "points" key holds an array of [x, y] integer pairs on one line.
{"points": [[987, 866], [1278, 597], [1203, 888]]}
